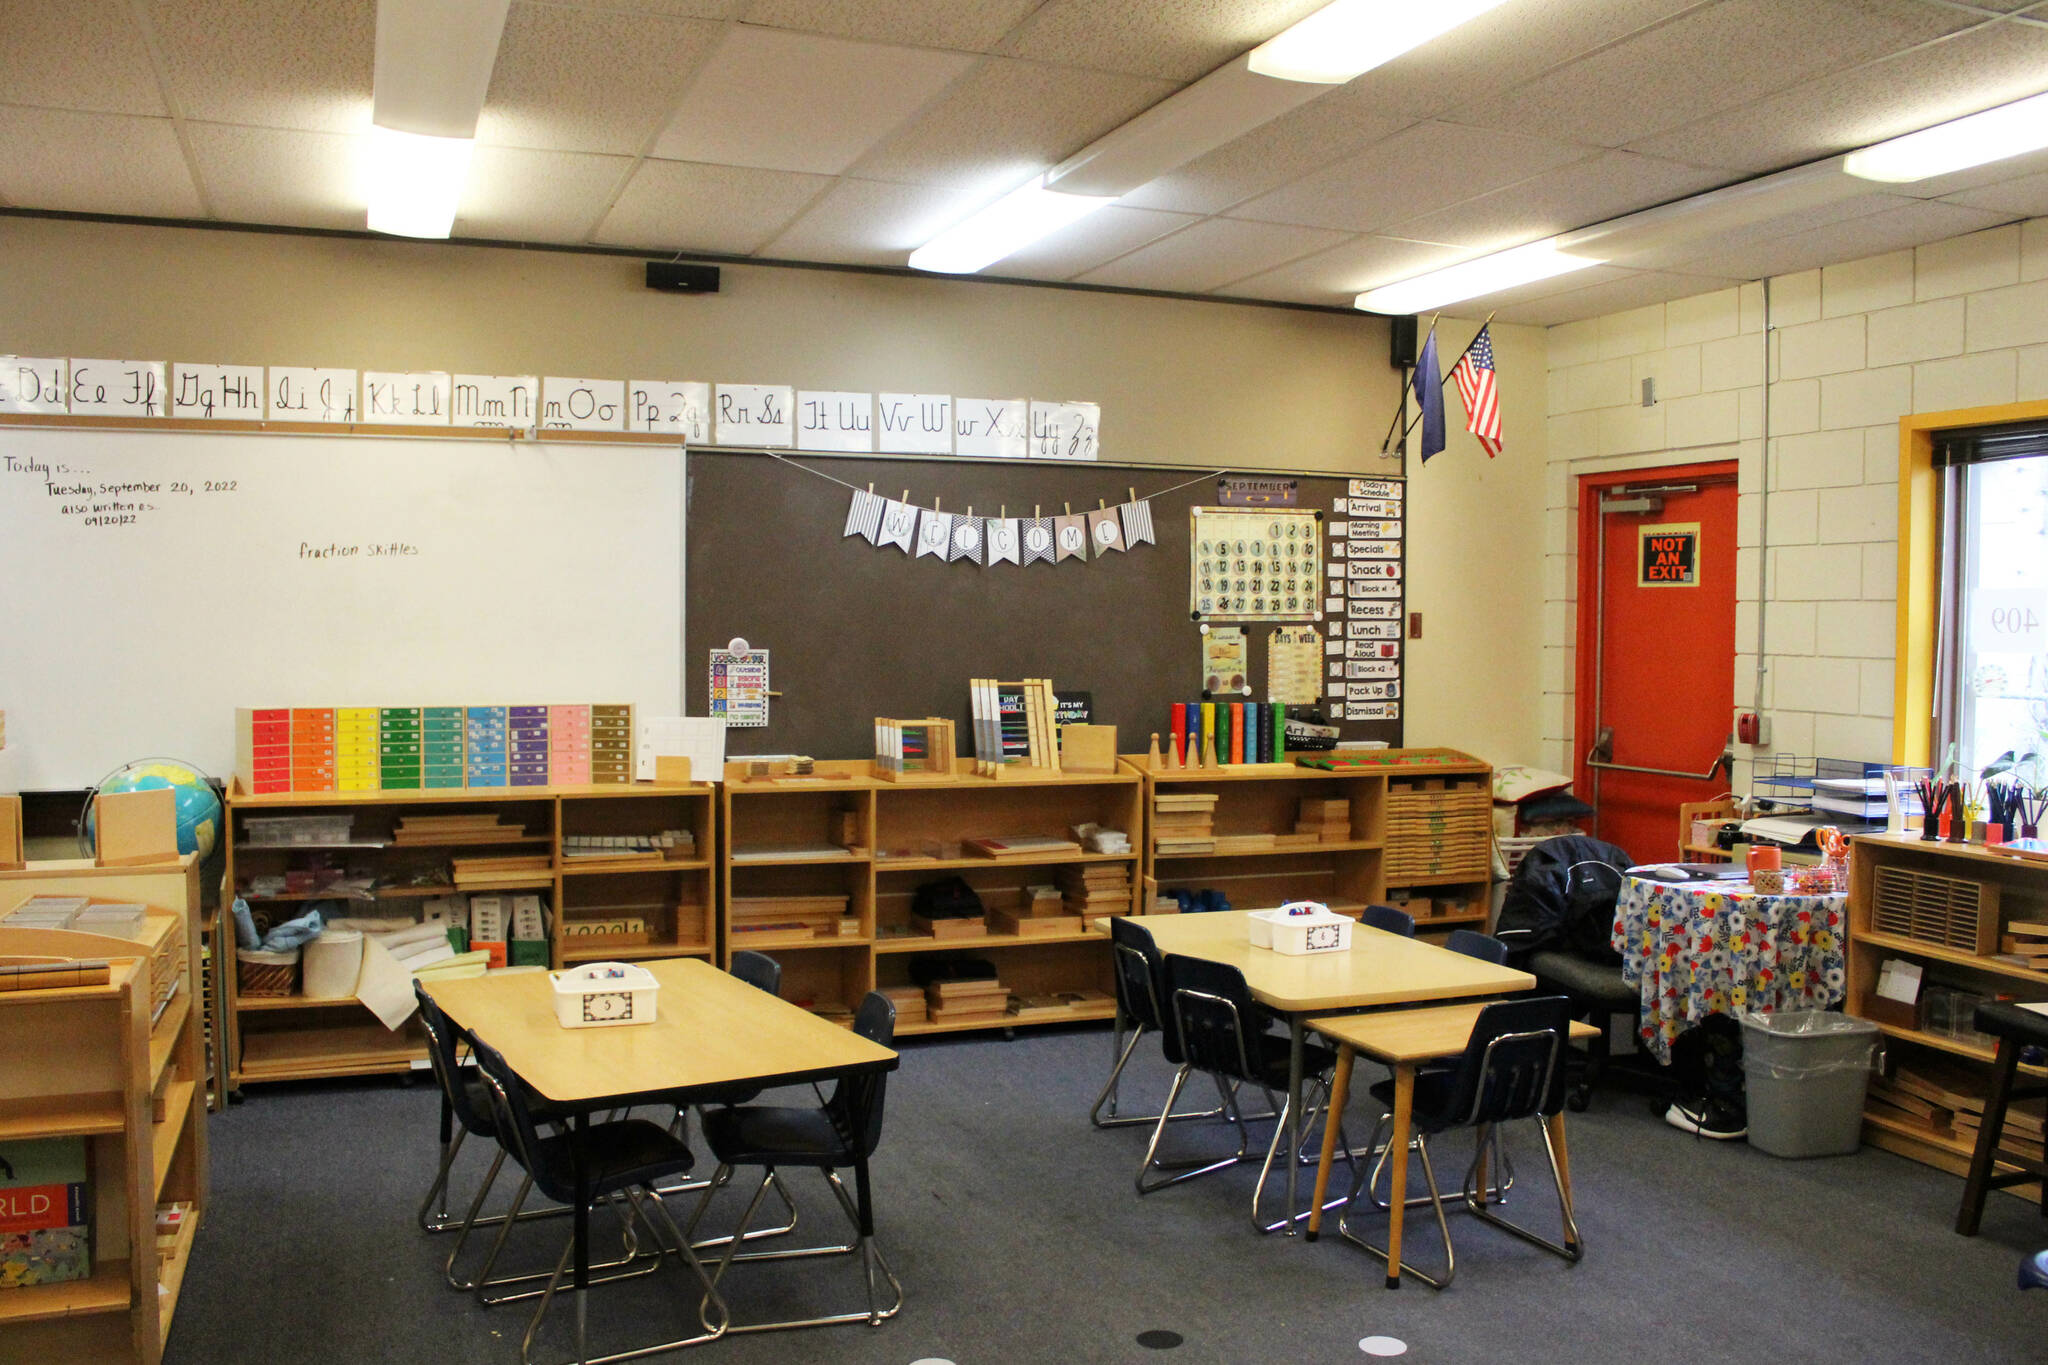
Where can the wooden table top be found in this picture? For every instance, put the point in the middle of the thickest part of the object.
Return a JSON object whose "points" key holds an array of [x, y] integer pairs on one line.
{"points": [[1379, 969], [1403, 1036], [710, 1030]]}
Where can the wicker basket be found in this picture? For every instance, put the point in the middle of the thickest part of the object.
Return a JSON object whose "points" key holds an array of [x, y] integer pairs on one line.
{"points": [[266, 976]]}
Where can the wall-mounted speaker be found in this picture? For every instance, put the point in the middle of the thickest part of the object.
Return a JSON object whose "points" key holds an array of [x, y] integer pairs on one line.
{"points": [[1402, 342], [674, 277]]}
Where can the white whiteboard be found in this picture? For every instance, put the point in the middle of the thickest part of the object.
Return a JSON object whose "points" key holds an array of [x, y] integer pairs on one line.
{"points": [[192, 577]]}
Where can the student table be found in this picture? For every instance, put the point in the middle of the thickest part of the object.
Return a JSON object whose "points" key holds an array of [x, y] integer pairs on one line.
{"points": [[1404, 1039], [1700, 948], [711, 1032], [1379, 969]]}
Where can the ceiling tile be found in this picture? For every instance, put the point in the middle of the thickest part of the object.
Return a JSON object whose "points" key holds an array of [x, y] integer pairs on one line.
{"points": [[1679, 247], [968, 25], [1177, 42], [872, 222], [571, 80], [786, 101], [1574, 196], [77, 54], [1712, 59], [1101, 236], [1635, 289], [516, 194], [1427, 167], [1510, 45], [2026, 195], [280, 175], [276, 66], [1211, 254], [1338, 275], [1299, 141], [674, 9], [1006, 120], [94, 163], [1943, 80], [1906, 223], [683, 206]]}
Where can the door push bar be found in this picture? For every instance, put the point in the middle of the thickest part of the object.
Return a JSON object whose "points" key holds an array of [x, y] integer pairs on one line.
{"points": [[1602, 753]]}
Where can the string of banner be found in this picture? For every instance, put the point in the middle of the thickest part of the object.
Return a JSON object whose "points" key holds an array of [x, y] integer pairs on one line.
{"points": [[932, 531]]}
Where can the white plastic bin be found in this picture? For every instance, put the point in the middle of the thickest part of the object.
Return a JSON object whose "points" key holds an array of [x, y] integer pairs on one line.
{"points": [[599, 994], [331, 965], [1300, 928]]}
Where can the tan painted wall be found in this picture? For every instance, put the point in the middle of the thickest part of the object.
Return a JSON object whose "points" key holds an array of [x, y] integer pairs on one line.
{"points": [[1178, 381]]}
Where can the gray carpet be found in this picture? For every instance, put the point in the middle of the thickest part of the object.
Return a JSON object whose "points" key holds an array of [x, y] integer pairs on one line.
{"points": [[1015, 1229]]}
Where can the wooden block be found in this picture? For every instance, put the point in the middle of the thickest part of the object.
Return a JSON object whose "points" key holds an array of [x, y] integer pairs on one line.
{"points": [[135, 828], [10, 834], [672, 768]]}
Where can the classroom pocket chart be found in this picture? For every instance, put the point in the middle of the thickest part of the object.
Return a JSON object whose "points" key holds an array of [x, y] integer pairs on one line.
{"points": [[1263, 565], [1368, 542]]}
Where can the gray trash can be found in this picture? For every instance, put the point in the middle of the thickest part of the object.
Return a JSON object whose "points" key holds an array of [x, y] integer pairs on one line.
{"points": [[1805, 1072]]}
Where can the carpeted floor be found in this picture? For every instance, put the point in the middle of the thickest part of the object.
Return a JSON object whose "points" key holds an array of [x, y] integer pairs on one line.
{"points": [[1015, 1230]]}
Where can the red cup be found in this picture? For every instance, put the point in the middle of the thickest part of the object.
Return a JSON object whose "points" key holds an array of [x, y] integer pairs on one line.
{"points": [[1763, 856]]}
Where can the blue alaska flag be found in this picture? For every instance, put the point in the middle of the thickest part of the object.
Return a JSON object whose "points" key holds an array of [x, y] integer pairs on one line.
{"points": [[1429, 396]]}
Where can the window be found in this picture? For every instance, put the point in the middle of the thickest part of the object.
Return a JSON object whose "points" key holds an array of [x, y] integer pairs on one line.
{"points": [[1992, 659]]}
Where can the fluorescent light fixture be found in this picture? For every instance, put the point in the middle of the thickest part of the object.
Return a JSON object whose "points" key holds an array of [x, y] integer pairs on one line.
{"points": [[415, 182], [1351, 37], [1470, 279], [1013, 222], [1957, 145]]}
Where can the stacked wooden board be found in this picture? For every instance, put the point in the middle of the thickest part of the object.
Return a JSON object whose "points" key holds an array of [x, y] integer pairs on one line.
{"points": [[1184, 822], [819, 916], [952, 1002], [500, 874], [1439, 827], [1947, 1101], [909, 1002], [1041, 910], [1323, 820], [479, 827], [1097, 889], [2026, 941]]}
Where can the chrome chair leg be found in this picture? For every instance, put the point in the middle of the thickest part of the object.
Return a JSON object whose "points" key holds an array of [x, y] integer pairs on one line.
{"points": [[1308, 1142], [1182, 1171], [712, 1299], [871, 1256], [429, 1219], [1110, 1092], [1572, 1249], [1497, 1192], [633, 1264], [1442, 1225]]}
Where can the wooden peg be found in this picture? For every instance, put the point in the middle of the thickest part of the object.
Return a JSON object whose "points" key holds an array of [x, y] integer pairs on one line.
{"points": [[1208, 751], [1152, 760], [1173, 758]]}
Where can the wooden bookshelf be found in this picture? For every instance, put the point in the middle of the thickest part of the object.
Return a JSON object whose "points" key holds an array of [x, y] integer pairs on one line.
{"points": [[1421, 822], [85, 1064], [899, 836], [293, 1038], [2010, 887]]}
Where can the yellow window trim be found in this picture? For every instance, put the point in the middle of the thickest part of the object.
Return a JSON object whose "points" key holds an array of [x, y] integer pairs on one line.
{"points": [[1920, 567]]}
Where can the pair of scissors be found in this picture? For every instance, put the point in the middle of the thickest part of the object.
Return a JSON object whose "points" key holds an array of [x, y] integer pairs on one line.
{"points": [[1833, 846]]}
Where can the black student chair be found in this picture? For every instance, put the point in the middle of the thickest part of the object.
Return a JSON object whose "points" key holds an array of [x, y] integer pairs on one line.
{"points": [[1140, 984], [840, 1134], [619, 1157], [1390, 918], [1216, 1029], [1512, 1068]]}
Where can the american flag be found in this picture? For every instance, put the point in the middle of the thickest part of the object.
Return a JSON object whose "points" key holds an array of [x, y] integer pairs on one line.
{"points": [[1474, 373]]}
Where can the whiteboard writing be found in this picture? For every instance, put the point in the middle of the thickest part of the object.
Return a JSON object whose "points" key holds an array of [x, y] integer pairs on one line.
{"points": [[835, 421], [33, 384], [492, 400], [755, 415], [303, 393], [117, 388], [914, 423], [411, 399], [583, 404], [222, 391], [68, 495], [681, 409], [1065, 431], [991, 428]]}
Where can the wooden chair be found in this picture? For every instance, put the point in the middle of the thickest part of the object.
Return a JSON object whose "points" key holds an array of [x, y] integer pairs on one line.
{"points": [[2015, 1028], [1720, 808]]}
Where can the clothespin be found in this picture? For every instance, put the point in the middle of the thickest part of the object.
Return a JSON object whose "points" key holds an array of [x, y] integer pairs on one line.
{"points": [[936, 504]]}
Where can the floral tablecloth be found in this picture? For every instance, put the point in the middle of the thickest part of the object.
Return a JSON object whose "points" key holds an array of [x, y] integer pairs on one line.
{"points": [[1699, 948]]}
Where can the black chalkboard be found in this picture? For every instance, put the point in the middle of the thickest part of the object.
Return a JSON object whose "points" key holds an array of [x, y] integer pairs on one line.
{"points": [[855, 631]]}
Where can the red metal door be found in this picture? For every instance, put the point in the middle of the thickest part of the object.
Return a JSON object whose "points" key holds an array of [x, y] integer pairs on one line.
{"points": [[1656, 648]]}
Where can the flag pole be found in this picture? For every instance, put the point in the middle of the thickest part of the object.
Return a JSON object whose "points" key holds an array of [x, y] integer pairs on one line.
{"points": [[1446, 374]]}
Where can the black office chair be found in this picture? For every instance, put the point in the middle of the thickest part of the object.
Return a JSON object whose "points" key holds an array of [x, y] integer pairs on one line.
{"points": [[1472, 943], [1215, 1029], [844, 1132], [620, 1157], [1392, 919], [1556, 917], [1140, 981], [1512, 1068]]}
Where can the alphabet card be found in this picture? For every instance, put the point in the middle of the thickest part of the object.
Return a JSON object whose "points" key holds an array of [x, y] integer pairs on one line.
{"points": [[681, 409], [835, 421], [117, 388], [754, 415], [33, 384], [914, 423], [219, 391], [494, 400], [582, 404], [1065, 431], [991, 428], [305, 393], [406, 399]]}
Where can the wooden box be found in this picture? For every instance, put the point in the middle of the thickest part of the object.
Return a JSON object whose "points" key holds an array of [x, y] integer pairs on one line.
{"points": [[10, 834], [136, 828], [1088, 748], [1950, 912]]}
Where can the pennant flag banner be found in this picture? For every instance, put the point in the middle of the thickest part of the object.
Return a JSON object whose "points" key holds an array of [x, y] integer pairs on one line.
{"points": [[988, 541], [864, 518], [1105, 531]]}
